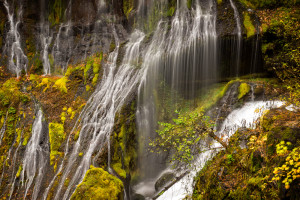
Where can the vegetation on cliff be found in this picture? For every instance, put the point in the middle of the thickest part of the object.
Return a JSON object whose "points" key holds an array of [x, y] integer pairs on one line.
{"points": [[99, 184], [261, 163], [281, 41]]}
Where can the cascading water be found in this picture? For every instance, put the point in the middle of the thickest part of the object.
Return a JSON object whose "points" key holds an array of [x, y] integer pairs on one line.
{"points": [[97, 119], [34, 161], [17, 59], [35, 158], [45, 38], [185, 57], [239, 35], [2, 130], [62, 54]]}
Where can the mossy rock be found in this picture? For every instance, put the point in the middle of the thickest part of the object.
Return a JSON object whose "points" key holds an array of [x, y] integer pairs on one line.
{"points": [[244, 89], [99, 185]]}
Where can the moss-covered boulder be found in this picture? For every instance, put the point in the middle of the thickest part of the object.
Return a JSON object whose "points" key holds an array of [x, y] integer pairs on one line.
{"points": [[99, 185]]}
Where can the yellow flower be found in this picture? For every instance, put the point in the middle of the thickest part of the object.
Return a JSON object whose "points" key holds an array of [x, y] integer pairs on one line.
{"points": [[287, 186]]}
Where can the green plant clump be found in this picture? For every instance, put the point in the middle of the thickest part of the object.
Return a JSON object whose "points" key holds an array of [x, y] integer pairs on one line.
{"points": [[98, 184], [248, 25], [57, 136], [61, 84]]}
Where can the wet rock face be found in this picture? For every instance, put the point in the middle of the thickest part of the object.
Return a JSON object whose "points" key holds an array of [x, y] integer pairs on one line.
{"points": [[76, 29], [84, 11], [225, 19]]}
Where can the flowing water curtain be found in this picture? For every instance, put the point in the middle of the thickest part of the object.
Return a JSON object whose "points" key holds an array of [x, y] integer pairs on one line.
{"points": [[17, 60], [63, 44], [32, 170], [238, 41], [45, 37], [181, 56]]}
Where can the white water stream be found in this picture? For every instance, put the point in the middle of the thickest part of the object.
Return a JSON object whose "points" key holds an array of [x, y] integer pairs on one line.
{"points": [[97, 119], [17, 59], [243, 117], [239, 35], [45, 37], [35, 159]]}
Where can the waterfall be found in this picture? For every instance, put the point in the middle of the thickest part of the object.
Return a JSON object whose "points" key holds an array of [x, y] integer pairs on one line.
{"points": [[97, 119], [62, 54], [17, 59], [45, 38], [3, 128], [35, 158], [239, 36], [185, 57]]}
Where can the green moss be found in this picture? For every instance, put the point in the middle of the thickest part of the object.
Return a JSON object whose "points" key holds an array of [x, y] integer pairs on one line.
{"points": [[71, 113], [45, 83], [88, 88], [10, 93], [247, 4], [124, 156], [219, 1], [243, 90], [171, 11], [61, 84], [25, 140], [248, 25], [87, 68], [63, 117], [268, 3], [120, 171], [98, 184], [56, 12], [212, 95], [128, 7], [95, 79], [189, 4], [112, 46], [18, 131], [76, 136], [19, 171], [266, 47], [56, 137]]}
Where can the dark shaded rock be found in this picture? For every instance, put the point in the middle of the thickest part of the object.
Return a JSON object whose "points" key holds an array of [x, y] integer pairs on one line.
{"points": [[163, 180], [137, 197]]}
